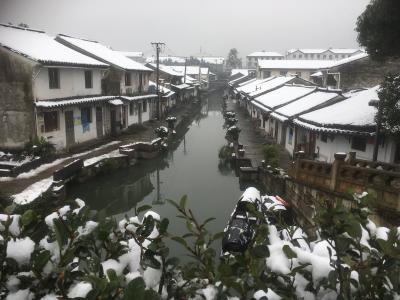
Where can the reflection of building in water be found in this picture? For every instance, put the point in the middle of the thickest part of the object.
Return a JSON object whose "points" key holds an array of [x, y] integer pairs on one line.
{"points": [[133, 193]]}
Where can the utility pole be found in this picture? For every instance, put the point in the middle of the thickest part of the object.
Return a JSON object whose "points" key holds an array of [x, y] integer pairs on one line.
{"points": [[184, 73], [158, 46]]}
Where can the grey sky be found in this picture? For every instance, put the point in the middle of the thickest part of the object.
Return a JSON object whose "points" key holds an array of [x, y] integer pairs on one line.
{"points": [[186, 25]]}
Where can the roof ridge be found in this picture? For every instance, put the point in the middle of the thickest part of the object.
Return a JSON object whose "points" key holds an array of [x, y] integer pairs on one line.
{"points": [[78, 38], [22, 28]]}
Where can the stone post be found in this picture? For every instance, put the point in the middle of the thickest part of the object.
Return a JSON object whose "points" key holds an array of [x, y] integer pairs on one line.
{"points": [[352, 158], [339, 160], [298, 156]]}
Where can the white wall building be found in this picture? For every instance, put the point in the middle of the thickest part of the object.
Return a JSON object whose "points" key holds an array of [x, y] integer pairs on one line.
{"points": [[321, 54], [253, 58]]}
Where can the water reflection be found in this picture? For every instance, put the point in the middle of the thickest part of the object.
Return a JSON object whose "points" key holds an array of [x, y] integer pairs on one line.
{"points": [[191, 167]]}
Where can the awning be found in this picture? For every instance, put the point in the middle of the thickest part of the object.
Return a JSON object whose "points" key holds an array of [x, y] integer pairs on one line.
{"points": [[54, 103], [116, 102]]}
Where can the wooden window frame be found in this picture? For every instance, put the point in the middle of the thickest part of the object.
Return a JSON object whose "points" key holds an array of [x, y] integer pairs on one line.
{"points": [[359, 143], [88, 79], [54, 78], [87, 109], [52, 125], [128, 79]]}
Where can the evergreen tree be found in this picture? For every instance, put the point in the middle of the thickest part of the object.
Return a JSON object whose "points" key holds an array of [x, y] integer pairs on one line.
{"points": [[378, 29], [389, 96], [233, 62]]}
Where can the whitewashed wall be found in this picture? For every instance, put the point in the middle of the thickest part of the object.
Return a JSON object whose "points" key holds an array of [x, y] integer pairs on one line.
{"points": [[342, 143], [58, 137], [134, 87], [72, 83], [305, 74]]}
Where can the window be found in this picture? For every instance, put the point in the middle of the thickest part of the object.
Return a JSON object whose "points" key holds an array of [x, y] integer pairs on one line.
{"points": [[144, 106], [266, 74], [290, 139], [294, 56], [324, 57], [359, 143], [86, 115], [298, 74], [330, 57], [318, 56], [54, 78], [50, 121], [128, 81], [305, 56], [300, 56], [88, 79], [131, 108], [283, 73], [324, 138]]}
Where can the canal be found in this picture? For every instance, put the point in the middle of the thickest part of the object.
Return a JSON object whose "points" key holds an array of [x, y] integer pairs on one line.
{"points": [[191, 168]]}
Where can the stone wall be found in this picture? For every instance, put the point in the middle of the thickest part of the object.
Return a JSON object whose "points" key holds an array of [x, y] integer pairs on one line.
{"points": [[311, 184], [16, 101]]}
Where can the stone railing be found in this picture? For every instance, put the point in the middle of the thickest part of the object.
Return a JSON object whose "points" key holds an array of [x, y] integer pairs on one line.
{"points": [[382, 180]]}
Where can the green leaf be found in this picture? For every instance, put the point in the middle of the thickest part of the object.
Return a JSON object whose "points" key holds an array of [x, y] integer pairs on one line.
{"points": [[173, 203], [218, 235], [151, 295], [60, 232], [163, 226], [135, 289], [353, 228], [182, 203], [40, 260], [179, 240], [28, 217], [289, 252], [207, 221], [173, 261], [112, 275], [261, 251]]}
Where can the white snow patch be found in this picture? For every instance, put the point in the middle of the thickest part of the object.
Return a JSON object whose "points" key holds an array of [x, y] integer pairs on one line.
{"points": [[33, 191], [20, 250], [81, 289], [20, 295]]}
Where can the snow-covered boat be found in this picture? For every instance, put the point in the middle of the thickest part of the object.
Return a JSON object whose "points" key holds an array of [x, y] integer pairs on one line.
{"points": [[241, 227]]}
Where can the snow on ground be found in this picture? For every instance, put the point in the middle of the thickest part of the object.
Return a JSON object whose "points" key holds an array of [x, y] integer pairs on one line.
{"points": [[33, 191], [44, 167], [94, 160]]}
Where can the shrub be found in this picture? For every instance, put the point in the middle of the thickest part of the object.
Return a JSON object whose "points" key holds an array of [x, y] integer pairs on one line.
{"points": [[40, 147], [271, 155]]}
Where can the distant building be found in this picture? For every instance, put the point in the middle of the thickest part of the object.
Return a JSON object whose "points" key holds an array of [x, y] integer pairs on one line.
{"points": [[253, 58], [136, 56], [322, 54], [304, 69]]}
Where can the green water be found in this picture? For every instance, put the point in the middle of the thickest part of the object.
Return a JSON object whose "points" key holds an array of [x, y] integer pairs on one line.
{"points": [[191, 169]]}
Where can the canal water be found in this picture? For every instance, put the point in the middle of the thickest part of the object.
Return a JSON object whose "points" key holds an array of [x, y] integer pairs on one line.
{"points": [[191, 169]]}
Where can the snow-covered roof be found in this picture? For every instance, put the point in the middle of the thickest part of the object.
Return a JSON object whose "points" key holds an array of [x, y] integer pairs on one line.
{"points": [[349, 59], [271, 84], [162, 88], [181, 86], [265, 54], [247, 82], [239, 79], [295, 64], [283, 95], [353, 111], [319, 51], [40, 47], [136, 98], [241, 71], [174, 59], [116, 102], [317, 98], [308, 51], [170, 70], [72, 101], [252, 85], [103, 53], [212, 60], [190, 70], [131, 53]]}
